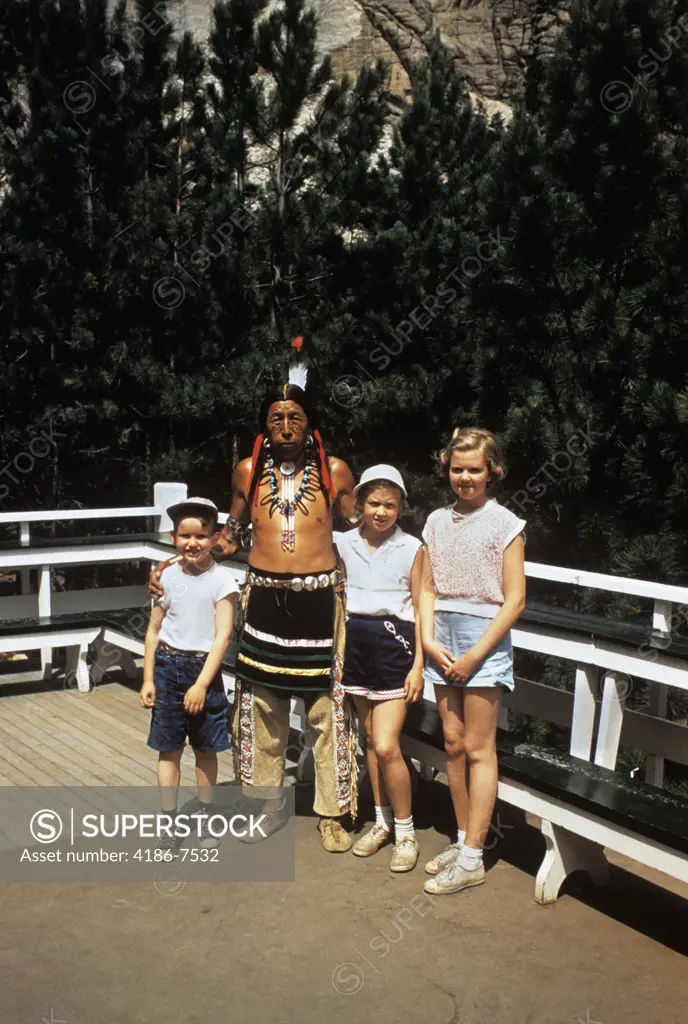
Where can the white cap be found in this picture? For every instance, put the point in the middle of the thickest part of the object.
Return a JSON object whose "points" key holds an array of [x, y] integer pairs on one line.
{"points": [[382, 472], [192, 505]]}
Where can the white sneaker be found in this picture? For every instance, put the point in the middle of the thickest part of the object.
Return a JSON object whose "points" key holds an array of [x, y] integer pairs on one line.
{"points": [[442, 860], [454, 879], [374, 839], [405, 856]]}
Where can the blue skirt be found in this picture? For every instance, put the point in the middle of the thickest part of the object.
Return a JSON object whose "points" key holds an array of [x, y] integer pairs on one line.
{"points": [[458, 633]]}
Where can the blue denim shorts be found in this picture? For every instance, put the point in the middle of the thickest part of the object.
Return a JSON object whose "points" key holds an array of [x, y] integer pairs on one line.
{"points": [[208, 733], [458, 633]]}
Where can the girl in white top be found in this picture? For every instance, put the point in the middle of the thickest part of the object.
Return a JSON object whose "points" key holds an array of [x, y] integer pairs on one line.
{"points": [[472, 594], [383, 660]]}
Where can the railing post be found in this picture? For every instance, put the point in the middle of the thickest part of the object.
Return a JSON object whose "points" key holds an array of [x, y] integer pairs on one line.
{"points": [[661, 623], [611, 720], [44, 603], [583, 722], [24, 541], [164, 495]]}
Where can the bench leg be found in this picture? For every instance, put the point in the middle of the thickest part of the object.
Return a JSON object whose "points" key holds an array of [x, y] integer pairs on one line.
{"points": [[108, 656], [76, 668], [566, 853]]}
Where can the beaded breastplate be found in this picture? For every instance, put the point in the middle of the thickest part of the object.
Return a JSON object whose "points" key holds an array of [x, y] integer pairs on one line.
{"points": [[285, 499]]}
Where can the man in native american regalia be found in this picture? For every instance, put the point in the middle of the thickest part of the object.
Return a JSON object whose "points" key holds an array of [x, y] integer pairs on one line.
{"points": [[291, 632]]}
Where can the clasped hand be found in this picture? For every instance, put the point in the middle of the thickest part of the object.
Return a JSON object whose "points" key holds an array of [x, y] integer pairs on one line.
{"points": [[457, 670]]}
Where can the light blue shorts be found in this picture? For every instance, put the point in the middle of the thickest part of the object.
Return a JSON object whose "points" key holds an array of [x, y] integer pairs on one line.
{"points": [[458, 633]]}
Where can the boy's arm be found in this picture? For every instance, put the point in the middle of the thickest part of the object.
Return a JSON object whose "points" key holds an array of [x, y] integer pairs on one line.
{"points": [[194, 700], [231, 537], [147, 694]]}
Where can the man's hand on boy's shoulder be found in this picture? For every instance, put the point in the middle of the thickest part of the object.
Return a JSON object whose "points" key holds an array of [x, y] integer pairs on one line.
{"points": [[155, 587]]}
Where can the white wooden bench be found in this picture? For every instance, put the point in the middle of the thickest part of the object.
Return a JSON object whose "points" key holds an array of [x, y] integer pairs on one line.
{"points": [[574, 797], [74, 638]]}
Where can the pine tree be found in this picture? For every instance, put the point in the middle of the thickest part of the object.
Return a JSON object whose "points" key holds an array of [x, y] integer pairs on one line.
{"points": [[415, 270], [53, 299], [579, 321], [302, 148]]}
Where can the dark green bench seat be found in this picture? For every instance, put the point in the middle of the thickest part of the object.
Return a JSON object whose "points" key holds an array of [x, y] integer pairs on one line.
{"points": [[582, 806], [612, 795]]}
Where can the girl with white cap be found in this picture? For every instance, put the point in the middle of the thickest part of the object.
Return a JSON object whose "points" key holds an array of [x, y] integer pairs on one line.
{"points": [[383, 660]]}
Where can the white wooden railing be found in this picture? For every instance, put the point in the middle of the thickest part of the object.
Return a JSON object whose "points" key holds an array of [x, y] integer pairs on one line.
{"points": [[592, 657]]}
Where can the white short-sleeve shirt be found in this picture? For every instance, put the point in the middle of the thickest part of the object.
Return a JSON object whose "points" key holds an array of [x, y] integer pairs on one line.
{"points": [[378, 582], [189, 604]]}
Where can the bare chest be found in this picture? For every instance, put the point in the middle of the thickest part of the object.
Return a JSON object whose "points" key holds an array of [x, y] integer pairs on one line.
{"points": [[308, 506]]}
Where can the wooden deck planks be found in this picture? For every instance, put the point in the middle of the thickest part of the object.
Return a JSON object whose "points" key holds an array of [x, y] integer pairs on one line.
{"points": [[57, 738], [80, 739]]}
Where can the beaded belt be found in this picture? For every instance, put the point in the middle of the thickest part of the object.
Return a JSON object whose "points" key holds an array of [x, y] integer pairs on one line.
{"points": [[166, 649], [297, 583]]}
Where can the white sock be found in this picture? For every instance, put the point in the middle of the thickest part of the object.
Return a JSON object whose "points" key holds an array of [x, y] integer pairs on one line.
{"points": [[403, 829], [384, 816], [470, 858], [460, 837]]}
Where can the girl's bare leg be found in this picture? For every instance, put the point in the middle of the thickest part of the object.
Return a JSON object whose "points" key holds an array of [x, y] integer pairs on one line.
{"points": [[364, 710], [450, 704], [481, 711], [387, 722]]}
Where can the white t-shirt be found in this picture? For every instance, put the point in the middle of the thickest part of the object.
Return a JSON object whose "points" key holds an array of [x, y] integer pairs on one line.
{"points": [[189, 603], [378, 582]]}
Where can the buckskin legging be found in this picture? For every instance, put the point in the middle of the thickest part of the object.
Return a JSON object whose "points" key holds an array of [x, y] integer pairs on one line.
{"points": [[290, 644]]}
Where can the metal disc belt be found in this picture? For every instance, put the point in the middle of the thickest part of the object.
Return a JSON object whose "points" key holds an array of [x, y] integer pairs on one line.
{"points": [[296, 583]]}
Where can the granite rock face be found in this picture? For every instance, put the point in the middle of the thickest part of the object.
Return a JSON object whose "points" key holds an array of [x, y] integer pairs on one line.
{"points": [[491, 39]]}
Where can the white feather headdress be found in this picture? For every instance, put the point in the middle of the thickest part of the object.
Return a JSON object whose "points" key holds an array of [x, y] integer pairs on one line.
{"points": [[298, 365]]}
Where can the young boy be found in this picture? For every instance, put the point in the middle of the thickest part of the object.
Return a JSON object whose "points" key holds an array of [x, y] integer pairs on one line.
{"points": [[188, 634]]}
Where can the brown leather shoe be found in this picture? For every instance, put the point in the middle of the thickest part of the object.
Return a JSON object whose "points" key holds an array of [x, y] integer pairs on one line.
{"points": [[334, 838]]}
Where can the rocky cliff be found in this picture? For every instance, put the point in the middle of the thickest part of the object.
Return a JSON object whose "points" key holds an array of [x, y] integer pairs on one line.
{"points": [[492, 39]]}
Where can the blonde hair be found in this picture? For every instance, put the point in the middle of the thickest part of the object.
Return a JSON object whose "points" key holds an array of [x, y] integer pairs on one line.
{"points": [[465, 439]]}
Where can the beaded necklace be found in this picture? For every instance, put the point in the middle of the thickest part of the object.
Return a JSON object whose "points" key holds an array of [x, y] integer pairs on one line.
{"points": [[285, 499]]}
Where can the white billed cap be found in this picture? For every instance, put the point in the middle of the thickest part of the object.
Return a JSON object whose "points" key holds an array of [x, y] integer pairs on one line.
{"points": [[192, 505], [382, 472]]}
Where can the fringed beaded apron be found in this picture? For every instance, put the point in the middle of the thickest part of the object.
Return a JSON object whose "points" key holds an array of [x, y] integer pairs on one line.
{"points": [[292, 641]]}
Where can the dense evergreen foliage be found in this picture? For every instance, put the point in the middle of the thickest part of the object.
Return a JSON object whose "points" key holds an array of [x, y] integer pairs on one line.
{"points": [[171, 215]]}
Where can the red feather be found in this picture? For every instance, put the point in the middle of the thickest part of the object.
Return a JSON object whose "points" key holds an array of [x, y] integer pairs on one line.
{"points": [[297, 343], [254, 463], [326, 478]]}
